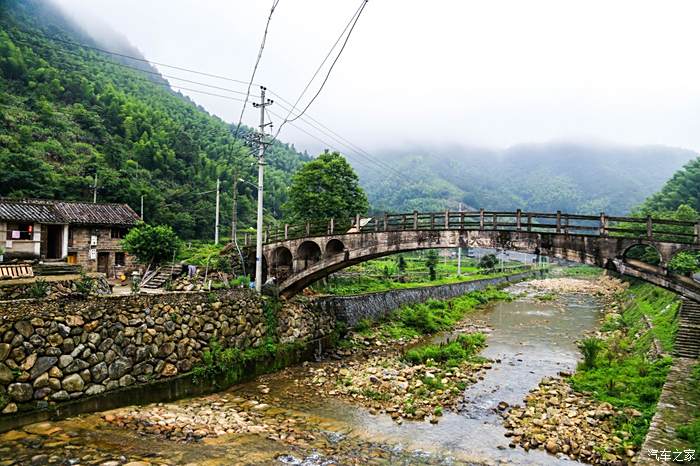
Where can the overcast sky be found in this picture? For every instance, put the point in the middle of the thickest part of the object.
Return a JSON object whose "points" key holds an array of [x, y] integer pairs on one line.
{"points": [[493, 73]]}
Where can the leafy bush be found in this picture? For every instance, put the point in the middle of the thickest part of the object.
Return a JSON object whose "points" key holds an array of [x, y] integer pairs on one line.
{"points": [[85, 285], [39, 289], [151, 244], [487, 262], [685, 262]]}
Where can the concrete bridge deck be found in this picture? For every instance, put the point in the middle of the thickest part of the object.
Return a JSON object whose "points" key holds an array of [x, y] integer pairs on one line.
{"points": [[298, 255]]}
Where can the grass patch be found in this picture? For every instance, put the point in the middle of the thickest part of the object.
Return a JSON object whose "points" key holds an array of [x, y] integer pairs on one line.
{"points": [[436, 315], [581, 271], [448, 354], [385, 274], [691, 432], [617, 369]]}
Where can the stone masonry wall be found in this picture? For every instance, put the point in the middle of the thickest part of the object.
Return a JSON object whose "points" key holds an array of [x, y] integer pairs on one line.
{"points": [[55, 351], [374, 306]]}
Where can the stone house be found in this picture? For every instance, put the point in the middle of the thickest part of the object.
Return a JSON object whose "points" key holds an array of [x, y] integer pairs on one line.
{"points": [[83, 233]]}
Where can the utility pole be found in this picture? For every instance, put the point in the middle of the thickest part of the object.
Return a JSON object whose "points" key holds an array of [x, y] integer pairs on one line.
{"points": [[261, 169], [94, 190], [234, 213], [459, 250], [141, 207], [216, 221]]}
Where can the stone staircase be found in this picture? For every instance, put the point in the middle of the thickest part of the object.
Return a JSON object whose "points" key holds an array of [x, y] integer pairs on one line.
{"points": [[688, 337], [160, 276]]}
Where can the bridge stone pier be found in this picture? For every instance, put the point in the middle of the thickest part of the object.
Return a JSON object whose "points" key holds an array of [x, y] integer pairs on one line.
{"points": [[297, 260]]}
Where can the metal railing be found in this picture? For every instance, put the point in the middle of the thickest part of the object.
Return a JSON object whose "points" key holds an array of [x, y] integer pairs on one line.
{"points": [[641, 228]]}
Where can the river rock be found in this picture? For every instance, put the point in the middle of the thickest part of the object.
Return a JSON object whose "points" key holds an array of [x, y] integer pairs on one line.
{"points": [[4, 351], [6, 374], [73, 383], [20, 391], [42, 365], [24, 327], [119, 367]]}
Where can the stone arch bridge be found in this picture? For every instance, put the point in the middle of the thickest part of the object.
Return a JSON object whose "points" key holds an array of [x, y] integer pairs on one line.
{"points": [[299, 255]]}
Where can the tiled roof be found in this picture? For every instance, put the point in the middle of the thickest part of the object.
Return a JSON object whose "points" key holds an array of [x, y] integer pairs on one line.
{"points": [[51, 211]]}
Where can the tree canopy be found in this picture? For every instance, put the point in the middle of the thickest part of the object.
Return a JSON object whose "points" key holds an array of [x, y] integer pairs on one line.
{"points": [[327, 187], [152, 244]]}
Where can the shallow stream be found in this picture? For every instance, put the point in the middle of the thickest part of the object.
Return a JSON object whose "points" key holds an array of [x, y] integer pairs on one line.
{"points": [[529, 339]]}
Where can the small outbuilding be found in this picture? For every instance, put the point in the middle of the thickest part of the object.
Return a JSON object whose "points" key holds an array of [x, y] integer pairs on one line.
{"points": [[82, 233]]}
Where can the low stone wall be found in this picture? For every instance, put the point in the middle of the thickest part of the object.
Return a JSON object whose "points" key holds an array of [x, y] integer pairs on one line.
{"points": [[50, 287], [374, 306], [55, 351]]}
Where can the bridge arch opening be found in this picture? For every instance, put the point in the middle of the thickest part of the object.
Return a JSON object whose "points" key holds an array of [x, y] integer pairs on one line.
{"points": [[281, 263], [644, 253], [333, 247], [308, 253]]}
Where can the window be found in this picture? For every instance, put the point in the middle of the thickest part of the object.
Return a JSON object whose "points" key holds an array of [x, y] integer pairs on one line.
{"points": [[18, 231], [117, 233], [119, 259]]}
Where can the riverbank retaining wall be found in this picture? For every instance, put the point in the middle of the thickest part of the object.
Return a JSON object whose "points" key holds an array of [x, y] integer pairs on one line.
{"points": [[56, 351], [375, 306]]}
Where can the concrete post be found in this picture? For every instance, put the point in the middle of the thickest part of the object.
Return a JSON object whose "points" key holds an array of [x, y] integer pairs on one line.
{"points": [[357, 222], [415, 219], [332, 226], [447, 220], [650, 229], [558, 221], [603, 229], [308, 228], [403, 222], [286, 231], [386, 221], [495, 221], [481, 219], [518, 213], [245, 239], [432, 221]]}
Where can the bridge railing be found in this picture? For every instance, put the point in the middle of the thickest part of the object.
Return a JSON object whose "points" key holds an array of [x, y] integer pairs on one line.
{"points": [[642, 228]]}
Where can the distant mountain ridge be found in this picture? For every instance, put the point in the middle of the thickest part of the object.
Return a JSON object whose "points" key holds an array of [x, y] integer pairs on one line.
{"points": [[572, 177]]}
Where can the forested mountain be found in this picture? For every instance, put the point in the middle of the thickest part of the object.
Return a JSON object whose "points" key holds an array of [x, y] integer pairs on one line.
{"points": [[682, 188], [67, 112], [582, 178]]}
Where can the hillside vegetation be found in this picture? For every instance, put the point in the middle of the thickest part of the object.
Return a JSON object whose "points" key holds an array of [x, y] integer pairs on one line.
{"points": [[68, 112], [581, 178]]}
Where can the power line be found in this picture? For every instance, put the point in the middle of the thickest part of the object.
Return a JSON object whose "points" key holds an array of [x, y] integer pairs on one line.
{"points": [[344, 142], [257, 62], [364, 3], [144, 60], [135, 68], [330, 146], [170, 86], [318, 70]]}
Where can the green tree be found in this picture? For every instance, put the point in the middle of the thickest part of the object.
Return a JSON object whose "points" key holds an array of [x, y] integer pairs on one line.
{"points": [[326, 187], [431, 260], [401, 264], [685, 262], [152, 244], [488, 261]]}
